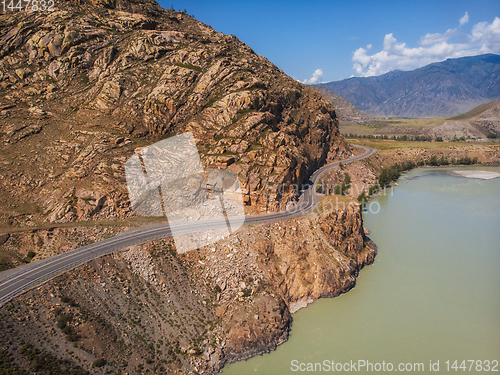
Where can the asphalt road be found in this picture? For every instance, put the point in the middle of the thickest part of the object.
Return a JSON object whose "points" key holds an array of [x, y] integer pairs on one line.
{"points": [[13, 283]]}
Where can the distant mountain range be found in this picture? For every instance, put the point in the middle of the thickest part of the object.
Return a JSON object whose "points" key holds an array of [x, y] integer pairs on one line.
{"points": [[441, 89]]}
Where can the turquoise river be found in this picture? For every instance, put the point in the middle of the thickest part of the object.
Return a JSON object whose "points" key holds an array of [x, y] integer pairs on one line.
{"points": [[433, 293]]}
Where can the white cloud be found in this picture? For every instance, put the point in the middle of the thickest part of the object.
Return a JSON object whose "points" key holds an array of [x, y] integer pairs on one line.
{"points": [[317, 75], [389, 40], [484, 38], [487, 36], [429, 39], [464, 19]]}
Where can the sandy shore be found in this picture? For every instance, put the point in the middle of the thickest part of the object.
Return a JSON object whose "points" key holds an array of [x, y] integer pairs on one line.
{"points": [[483, 175]]}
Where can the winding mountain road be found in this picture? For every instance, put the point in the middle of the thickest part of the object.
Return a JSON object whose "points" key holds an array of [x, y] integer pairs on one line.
{"points": [[13, 283]]}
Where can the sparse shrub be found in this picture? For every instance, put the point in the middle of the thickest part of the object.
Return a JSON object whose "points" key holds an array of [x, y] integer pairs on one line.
{"points": [[189, 66], [42, 362], [362, 197], [73, 336], [339, 189], [492, 135], [7, 365], [433, 161], [466, 161], [393, 172], [388, 175], [347, 179], [63, 320], [84, 78], [30, 256], [69, 301], [99, 362], [65, 299], [373, 189], [443, 161]]}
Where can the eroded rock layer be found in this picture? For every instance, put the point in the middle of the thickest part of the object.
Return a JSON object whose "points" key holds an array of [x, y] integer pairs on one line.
{"points": [[85, 85], [149, 309]]}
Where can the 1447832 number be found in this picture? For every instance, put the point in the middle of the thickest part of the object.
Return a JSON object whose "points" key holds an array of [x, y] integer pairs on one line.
{"points": [[28, 5], [472, 365]]}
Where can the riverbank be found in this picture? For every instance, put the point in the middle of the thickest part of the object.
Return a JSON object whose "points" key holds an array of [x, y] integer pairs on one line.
{"points": [[365, 173], [149, 308], [414, 305], [361, 175], [223, 303]]}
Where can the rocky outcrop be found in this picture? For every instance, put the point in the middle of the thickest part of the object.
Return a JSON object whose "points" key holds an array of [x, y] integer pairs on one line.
{"points": [[82, 87], [149, 309], [346, 111]]}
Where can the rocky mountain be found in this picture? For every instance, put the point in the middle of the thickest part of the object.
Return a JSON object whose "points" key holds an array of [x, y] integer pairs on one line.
{"points": [[441, 89], [81, 89], [84, 86], [344, 109]]}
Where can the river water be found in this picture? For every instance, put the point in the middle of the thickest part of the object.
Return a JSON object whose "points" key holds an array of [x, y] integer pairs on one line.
{"points": [[433, 293]]}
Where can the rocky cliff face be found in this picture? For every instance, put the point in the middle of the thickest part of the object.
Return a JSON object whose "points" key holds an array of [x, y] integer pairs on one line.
{"points": [[85, 85], [345, 110], [148, 309], [82, 88]]}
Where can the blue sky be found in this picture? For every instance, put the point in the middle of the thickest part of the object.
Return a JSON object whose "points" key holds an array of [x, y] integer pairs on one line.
{"points": [[323, 41]]}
